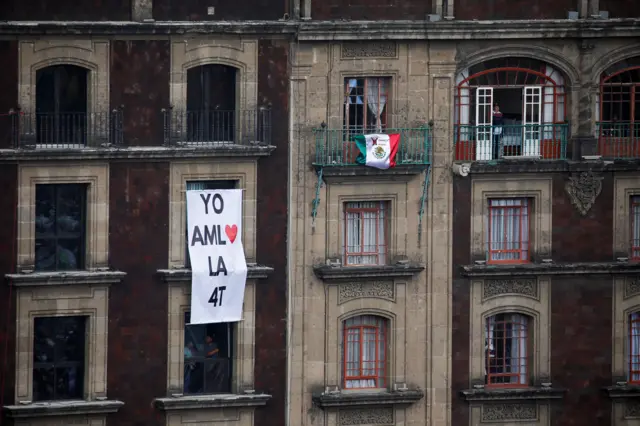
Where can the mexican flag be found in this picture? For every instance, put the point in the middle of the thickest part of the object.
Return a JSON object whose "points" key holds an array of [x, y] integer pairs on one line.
{"points": [[378, 150]]}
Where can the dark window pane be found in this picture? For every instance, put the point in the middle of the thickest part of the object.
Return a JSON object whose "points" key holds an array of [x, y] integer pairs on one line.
{"points": [[58, 357]]}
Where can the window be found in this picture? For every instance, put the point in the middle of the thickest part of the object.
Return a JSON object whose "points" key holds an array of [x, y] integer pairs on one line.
{"points": [[508, 231], [365, 352], [635, 228], [60, 227], [366, 104], [507, 350], [201, 186], [366, 234], [207, 357], [58, 358], [634, 348]]}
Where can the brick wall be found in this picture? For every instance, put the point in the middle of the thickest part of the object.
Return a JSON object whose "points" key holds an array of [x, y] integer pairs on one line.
{"points": [[224, 10], [621, 8], [514, 9], [66, 10], [8, 88], [371, 10]]}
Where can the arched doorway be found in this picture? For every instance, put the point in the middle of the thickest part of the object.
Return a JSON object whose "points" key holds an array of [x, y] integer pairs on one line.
{"points": [[510, 107], [61, 105], [618, 109]]}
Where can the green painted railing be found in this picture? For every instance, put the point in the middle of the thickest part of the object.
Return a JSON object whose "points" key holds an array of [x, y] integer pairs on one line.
{"points": [[337, 147], [486, 143], [618, 140]]}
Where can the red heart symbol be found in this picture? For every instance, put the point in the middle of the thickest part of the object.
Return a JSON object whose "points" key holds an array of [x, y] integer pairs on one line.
{"points": [[232, 232]]}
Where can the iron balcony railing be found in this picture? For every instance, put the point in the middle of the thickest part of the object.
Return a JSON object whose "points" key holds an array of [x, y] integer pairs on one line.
{"points": [[73, 130], [337, 147], [485, 143], [618, 140], [212, 128]]}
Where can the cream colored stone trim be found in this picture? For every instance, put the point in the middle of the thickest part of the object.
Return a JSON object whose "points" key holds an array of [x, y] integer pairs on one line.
{"points": [[244, 171], [90, 54], [625, 301], [87, 300], [228, 416], [92, 420], [243, 344], [543, 417], [96, 175], [236, 52], [520, 186], [625, 187], [538, 309]]}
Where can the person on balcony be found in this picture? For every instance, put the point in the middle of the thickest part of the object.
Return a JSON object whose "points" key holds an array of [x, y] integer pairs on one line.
{"points": [[498, 121]]}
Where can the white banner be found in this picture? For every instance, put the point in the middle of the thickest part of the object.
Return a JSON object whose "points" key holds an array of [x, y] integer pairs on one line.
{"points": [[218, 265]]}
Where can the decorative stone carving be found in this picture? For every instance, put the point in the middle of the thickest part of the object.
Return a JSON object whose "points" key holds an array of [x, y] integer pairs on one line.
{"points": [[369, 416], [384, 49], [377, 289], [508, 412], [524, 286], [632, 409], [631, 287], [583, 190]]}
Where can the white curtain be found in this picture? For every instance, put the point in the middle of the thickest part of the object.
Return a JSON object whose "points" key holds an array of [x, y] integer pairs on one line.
{"points": [[376, 99], [365, 352], [365, 233], [506, 349], [634, 347], [635, 227], [508, 230], [549, 103]]}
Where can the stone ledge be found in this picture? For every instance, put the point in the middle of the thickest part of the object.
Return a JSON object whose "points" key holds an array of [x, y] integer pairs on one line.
{"points": [[254, 272], [201, 402], [135, 153], [32, 279], [517, 165], [623, 391], [578, 268], [359, 399], [62, 408], [400, 172], [520, 394], [353, 273]]}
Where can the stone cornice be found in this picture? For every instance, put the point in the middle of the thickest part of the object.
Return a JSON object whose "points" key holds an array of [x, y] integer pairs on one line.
{"points": [[96, 277], [519, 394], [358, 399], [623, 391], [62, 408], [135, 153], [254, 272], [354, 273], [527, 269], [399, 172], [551, 166], [194, 402]]}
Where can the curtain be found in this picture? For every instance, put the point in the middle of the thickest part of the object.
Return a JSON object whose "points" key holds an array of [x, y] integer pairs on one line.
{"points": [[635, 227], [506, 349], [376, 99], [365, 233], [634, 347], [365, 352], [508, 230]]}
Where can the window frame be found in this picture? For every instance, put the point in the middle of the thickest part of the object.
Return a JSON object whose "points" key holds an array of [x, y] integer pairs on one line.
{"points": [[528, 359], [526, 207], [382, 211], [634, 220], [382, 329], [384, 90]]}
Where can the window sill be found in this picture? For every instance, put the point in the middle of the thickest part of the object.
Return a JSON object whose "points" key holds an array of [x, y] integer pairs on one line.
{"points": [[357, 399], [531, 165], [512, 394], [254, 272], [623, 391], [203, 402], [337, 273], [96, 276], [62, 408], [335, 174], [523, 269]]}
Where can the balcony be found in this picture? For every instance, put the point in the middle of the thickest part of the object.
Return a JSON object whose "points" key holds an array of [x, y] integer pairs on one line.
{"points": [[486, 143], [337, 147], [66, 131], [619, 140], [215, 128]]}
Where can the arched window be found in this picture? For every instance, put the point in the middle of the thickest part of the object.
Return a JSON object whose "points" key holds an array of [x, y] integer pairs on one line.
{"points": [[510, 107], [618, 110], [365, 352], [633, 350], [508, 350]]}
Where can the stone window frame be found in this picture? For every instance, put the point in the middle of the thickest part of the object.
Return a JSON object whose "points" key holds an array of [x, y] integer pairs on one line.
{"points": [[511, 299], [96, 176], [88, 300], [625, 187], [626, 300], [243, 171], [91, 54], [243, 361], [538, 189]]}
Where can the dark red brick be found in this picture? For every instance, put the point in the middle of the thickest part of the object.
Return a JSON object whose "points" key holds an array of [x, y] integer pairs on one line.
{"points": [[225, 10], [8, 89], [140, 83], [66, 10], [513, 9], [621, 8], [371, 10], [138, 245]]}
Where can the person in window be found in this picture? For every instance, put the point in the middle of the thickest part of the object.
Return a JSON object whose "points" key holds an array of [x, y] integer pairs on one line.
{"points": [[213, 369], [498, 121], [210, 348], [189, 366]]}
